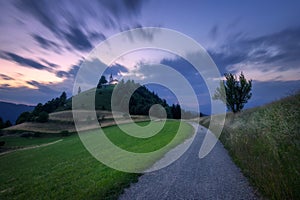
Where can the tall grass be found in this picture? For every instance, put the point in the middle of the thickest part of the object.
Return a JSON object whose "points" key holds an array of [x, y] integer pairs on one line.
{"points": [[265, 143]]}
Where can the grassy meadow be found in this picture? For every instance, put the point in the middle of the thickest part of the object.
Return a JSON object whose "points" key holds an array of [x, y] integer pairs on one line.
{"points": [[63, 121], [265, 143], [66, 170]]}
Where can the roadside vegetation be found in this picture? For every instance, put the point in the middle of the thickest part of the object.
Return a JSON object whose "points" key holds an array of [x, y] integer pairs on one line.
{"points": [[66, 170], [265, 143], [5, 124]]}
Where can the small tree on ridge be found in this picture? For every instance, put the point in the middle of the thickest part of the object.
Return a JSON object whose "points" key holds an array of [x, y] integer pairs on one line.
{"points": [[235, 92]]}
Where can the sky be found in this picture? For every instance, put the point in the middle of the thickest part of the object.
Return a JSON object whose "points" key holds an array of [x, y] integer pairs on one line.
{"points": [[43, 43]]}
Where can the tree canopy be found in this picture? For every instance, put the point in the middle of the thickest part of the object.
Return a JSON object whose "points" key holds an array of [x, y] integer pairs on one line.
{"points": [[4, 124], [235, 92], [141, 100], [40, 112], [101, 81]]}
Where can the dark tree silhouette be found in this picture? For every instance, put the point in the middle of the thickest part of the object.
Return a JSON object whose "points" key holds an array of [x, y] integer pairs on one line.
{"points": [[101, 81], [40, 112], [63, 99], [4, 125], [7, 124], [235, 92], [42, 117], [176, 111], [1, 123]]}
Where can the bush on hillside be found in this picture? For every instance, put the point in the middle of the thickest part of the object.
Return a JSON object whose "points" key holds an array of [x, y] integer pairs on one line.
{"points": [[42, 117], [65, 133]]}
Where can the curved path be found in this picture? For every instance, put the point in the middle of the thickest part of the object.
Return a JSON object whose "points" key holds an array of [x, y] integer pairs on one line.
{"points": [[212, 177], [30, 147]]}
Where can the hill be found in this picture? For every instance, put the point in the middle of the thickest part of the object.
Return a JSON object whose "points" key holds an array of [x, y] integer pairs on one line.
{"points": [[139, 102], [11, 111], [138, 97], [265, 143]]}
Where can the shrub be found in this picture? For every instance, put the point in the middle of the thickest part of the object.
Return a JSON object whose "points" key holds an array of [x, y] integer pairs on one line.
{"points": [[42, 117], [2, 143], [27, 134], [25, 117], [65, 133]]}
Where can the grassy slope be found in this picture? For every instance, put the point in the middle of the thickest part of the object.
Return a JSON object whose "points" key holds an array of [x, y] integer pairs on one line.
{"points": [[16, 141], [265, 143], [66, 170], [102, 98], [63, 121]]}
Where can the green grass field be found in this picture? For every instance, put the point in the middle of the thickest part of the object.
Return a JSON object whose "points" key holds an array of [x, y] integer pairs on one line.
{"points": [[16, 141], [265, 143], [65, 170]]}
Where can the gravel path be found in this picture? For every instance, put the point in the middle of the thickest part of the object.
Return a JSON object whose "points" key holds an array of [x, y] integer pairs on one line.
{"points": [[212, 177]]}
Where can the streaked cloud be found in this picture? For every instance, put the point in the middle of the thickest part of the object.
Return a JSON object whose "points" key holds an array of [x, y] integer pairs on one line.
{"points": [[5, 77], [46, 44], [71, 73], [270, 57], [78, 39], [26, 62], [64, 20], [49, 63]]}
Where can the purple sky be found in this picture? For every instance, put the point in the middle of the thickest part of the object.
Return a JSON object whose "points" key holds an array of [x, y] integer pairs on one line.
{"points": [[44, 42]]}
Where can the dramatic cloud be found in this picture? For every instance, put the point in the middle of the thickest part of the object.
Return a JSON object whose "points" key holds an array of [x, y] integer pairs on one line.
{"points": [[95, 36], [5, 77], [4, 86], [115, 69], [29, 96], [70, 73], [265, 92], [54, 35], [49, 63], [78, 39], [41, 87], [118, 10], [26, 62], [46, 44], [279, 49], [56, 17]]}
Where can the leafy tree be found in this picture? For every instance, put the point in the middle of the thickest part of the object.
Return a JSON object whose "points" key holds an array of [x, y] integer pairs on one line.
{"points": [[176, 111], [40, 112], [79, 90], [7, 124], [1, 123], [25, 117], [101, 81], [42, 117], [63, 99], [235, 92], [38, 108]]}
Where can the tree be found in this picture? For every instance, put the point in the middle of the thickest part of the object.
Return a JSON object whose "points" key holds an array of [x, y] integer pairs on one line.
{"points": [[1, 123], [235, 92], [63, 98], [101, 81], [7, 124], [79, 90], [25, 117], [42, 117], [176, 111]]}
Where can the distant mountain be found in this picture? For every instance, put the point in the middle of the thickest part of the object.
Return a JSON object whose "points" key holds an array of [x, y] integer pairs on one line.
{"points": [[11, 111]]}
